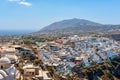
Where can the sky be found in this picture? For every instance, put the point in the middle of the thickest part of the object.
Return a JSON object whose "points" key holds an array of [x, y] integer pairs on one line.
{"points": [[35, 14]]}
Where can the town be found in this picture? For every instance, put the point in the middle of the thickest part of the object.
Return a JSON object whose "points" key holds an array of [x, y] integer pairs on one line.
{"points": [[67, 58], [59, 40]]}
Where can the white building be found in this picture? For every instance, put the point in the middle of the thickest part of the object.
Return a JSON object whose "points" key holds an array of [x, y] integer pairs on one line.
{"points": [[7, 71]]}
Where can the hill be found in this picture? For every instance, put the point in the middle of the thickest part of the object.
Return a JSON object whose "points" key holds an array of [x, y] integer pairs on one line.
{"points": [[76, 26]]}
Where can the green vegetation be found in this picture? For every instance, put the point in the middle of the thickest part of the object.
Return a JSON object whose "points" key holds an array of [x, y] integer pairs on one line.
{"points": [[36, 61]]}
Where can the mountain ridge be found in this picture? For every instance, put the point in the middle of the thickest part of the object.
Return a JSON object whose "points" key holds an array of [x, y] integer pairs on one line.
{"points": [[75, 25], [70, 22]]}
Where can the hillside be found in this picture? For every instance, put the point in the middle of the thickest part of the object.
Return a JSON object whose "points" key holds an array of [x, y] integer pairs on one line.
{"points": [[75, 26]]}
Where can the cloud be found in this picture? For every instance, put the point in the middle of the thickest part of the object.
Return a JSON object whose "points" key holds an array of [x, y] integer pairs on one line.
{"points": [[25, 3], [22, 2]]}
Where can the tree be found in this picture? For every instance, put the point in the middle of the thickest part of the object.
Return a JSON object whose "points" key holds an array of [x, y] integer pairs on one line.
{"points": [[36, 61], [26, 41]]}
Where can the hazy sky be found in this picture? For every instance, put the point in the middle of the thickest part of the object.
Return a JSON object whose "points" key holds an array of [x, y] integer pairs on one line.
{"points": [[35, 14]]}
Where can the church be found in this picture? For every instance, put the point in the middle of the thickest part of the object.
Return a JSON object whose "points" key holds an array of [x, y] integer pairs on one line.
{"points": [[7, 70]]}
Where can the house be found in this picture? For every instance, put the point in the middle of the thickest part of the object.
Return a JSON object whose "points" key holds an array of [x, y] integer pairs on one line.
{"points": [[34, 72], [78, 60], [59, 41]]}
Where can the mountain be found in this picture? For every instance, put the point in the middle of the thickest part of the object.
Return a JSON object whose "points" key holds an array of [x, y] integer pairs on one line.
{"points": [[76, 26]]}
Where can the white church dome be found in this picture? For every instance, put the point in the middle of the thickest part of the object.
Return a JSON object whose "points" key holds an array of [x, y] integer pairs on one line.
{"points": [[5, 60], [3, 73]]}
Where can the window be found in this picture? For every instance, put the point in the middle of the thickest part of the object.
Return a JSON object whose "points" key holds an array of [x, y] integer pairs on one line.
{"points": [[1, 66], [32, 73]]}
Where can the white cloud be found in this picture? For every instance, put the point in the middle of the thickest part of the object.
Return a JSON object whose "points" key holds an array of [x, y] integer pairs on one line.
{"points": [[25, 3], [22, 2]]}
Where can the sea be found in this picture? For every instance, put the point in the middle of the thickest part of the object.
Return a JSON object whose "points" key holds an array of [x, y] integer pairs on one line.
{"points": [[15, 32]]}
